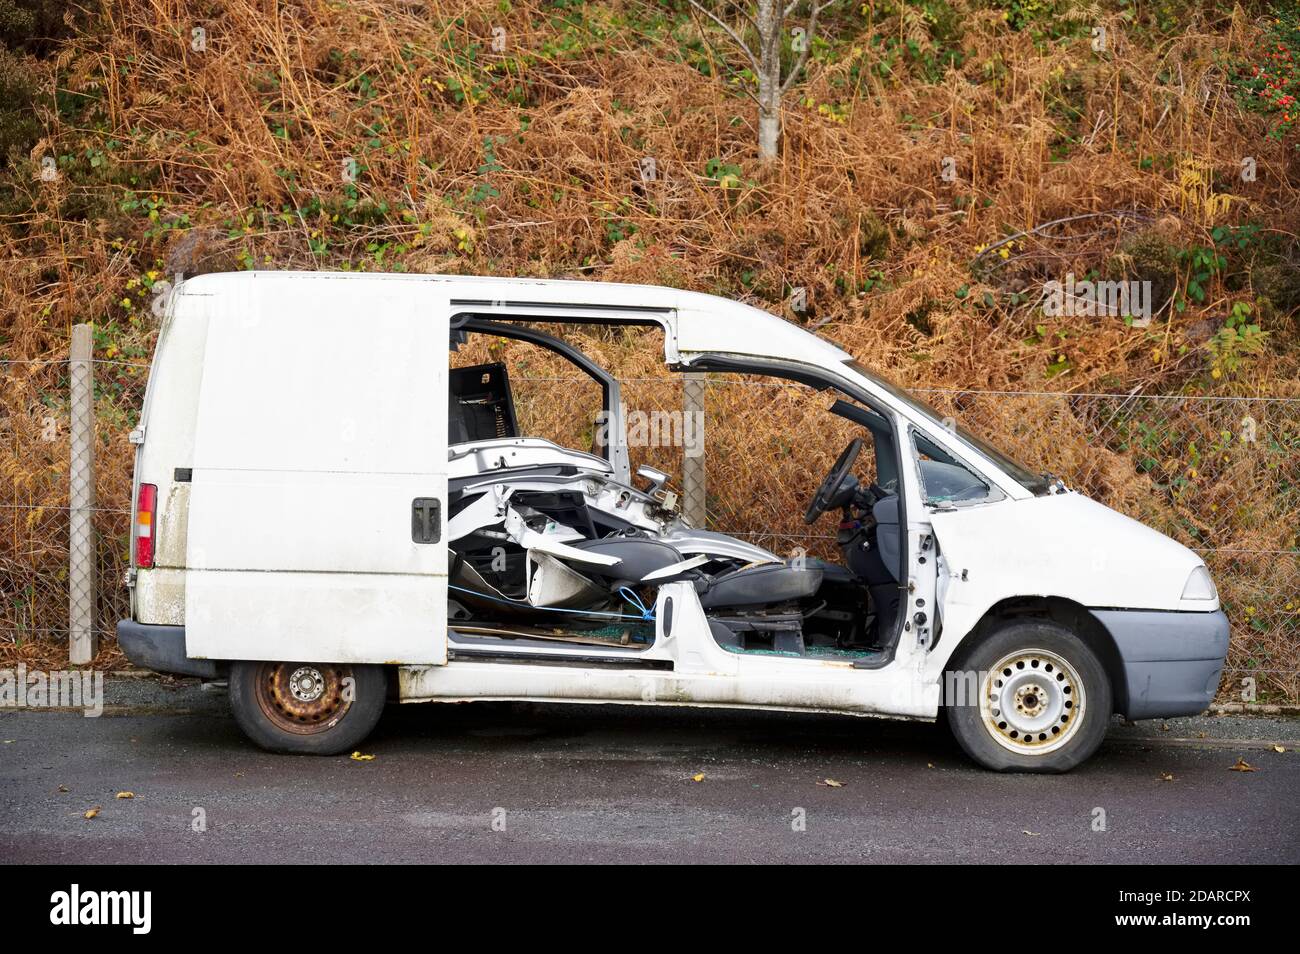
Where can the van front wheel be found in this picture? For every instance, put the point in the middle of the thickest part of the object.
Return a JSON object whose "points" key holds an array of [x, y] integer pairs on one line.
{"points": [[1042, 699], [308, 708]]}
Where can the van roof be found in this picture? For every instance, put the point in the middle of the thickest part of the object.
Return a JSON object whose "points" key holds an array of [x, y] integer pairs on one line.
{"points": [[703, 323]]}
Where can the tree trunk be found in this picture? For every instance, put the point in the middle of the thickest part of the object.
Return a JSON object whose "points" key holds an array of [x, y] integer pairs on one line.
{"points": [[769, 78], [769, 128]]}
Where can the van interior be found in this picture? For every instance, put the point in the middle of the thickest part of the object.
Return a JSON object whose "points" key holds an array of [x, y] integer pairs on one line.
{"points": [[562, 549]]}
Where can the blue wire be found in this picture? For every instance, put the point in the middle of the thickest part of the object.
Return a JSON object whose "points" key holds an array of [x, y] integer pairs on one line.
{"points": [[635, 600], [624, 592]]}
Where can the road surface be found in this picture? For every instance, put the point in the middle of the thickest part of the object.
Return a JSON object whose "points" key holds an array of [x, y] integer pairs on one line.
{"points": [[542, 783]]}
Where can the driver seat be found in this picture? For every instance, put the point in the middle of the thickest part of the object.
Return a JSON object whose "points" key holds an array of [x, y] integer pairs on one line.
{"points": [[762, 585]]}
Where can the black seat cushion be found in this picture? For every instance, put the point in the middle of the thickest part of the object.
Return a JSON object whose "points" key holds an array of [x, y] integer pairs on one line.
{"points": [[765, 584], [833, 572], [639, 556]]}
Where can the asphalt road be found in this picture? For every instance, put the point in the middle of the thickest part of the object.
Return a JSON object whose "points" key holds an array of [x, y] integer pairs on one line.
{"points": [[617, 784]]}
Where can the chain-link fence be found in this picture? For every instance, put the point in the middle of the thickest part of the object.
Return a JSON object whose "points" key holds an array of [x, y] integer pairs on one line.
{"points": [[1221, 475], [42, 502]]}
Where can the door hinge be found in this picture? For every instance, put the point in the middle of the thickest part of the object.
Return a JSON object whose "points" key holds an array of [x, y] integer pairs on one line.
{"points": [[136, 436]]}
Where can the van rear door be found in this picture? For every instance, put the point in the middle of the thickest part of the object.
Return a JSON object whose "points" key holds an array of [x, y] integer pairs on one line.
{"points": [[319, 474]]}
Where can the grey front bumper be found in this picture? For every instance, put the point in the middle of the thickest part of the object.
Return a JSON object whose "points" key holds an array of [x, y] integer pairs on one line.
{"points": [[162, 649], [1171, 662]]}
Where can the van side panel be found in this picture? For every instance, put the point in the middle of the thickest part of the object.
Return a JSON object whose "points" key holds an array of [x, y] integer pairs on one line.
{"points": [[322, 417]]}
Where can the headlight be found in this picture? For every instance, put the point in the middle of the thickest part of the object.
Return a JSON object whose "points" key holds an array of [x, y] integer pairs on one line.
{"points": [[1200, 586]]}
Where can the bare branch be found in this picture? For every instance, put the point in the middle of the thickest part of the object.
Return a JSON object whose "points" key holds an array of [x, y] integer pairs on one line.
{"points": [[740, 9], [735, 37], [810, 32], [793, 5], [723, 60]]}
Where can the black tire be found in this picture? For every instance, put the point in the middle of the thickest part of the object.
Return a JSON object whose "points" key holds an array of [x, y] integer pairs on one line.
{"points": [[1040, 694], [279, 720]]}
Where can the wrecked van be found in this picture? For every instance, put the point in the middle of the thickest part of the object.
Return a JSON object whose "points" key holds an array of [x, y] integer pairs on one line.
{"points": [[329, 515]]}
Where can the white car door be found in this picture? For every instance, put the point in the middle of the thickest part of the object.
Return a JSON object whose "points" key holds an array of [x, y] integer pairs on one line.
{"points": [[319, 475]]}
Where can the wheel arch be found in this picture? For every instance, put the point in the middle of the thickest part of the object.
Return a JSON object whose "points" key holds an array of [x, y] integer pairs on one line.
{"points": [[1073, 616]]}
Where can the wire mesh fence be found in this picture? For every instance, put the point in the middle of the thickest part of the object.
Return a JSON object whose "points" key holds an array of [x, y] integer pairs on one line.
{"points": [[1220, 475], [40, 500]]}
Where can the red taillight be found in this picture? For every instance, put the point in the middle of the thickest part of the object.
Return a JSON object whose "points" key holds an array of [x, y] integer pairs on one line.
{"points": [[144, 522]]}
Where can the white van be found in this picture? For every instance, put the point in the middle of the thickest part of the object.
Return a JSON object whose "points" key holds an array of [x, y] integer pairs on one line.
{"points": [[328, 516]]}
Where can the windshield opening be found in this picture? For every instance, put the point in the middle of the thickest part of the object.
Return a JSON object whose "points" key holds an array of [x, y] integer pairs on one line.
{"points": [[1038, 484]]}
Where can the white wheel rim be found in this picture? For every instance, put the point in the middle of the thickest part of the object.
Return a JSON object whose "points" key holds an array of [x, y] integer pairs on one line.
{"points": [[1032, 701]]}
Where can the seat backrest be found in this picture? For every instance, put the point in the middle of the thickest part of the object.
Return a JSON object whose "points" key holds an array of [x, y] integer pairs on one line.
{"points": [[888, 536], [480, 406]]}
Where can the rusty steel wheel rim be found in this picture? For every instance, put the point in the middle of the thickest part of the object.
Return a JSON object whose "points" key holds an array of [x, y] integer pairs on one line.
{"points": [[1032, 701], [302, 698]]}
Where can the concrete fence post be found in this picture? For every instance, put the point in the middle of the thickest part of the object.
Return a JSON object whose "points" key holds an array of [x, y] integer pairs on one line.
{"points": [[694, 505], [82, 638]]}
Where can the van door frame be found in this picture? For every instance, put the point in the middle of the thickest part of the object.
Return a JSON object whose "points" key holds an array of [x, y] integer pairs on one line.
{"points": [[897, 688], [615, 450], [918, 590], [500, 317]]}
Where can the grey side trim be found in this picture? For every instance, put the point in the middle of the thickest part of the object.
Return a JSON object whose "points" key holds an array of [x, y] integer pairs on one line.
{"points": [[162, 649], [1171, 661]]}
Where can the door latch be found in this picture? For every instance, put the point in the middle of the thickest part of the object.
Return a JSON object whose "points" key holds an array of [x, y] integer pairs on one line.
{"points": [[426, 520]]}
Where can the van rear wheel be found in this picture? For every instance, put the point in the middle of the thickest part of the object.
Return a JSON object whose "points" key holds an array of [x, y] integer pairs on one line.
{"points": [[1043, 699], [308, 708]]}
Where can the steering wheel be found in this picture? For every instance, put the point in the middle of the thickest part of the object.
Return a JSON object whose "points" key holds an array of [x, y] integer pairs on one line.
{"points": [[824, 499]]}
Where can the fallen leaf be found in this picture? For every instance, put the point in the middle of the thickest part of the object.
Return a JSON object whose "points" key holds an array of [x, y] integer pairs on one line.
{"points": [[929, 765], [697, 777], [358, 757], [1164, 727], [63, 788], [1202, 735], [92, 813], [831, 783], [1166, 776], [1242, 766], [1033, 834], [126, 794], [1279, 748]]}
